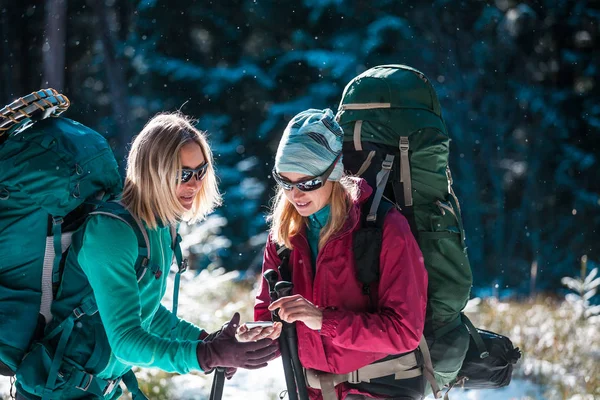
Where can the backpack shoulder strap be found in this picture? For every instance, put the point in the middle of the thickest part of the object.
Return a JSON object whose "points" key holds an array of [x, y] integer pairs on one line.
{"points": [[381, 182], [182, 265], [116, 210], [366, 246], [382, 211]]}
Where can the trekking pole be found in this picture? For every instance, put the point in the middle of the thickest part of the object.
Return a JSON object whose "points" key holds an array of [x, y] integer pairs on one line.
{"points": [[284, 289], [272, 277], [216, 392]]}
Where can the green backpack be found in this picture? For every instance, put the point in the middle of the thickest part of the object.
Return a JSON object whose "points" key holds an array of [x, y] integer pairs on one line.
{"points": [[395, 138], [54, 172]]}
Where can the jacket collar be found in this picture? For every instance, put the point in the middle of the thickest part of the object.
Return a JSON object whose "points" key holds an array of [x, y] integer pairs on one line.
{"points": [[319, 219]]}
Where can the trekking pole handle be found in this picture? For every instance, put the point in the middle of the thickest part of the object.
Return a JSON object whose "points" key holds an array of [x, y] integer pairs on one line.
{"points": [[271, 276], [284, 288]]}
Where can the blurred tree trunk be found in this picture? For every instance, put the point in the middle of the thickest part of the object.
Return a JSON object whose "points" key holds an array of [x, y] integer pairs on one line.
{"points": [[53, 49], [115, 74], [6, 79], [9, 53]]}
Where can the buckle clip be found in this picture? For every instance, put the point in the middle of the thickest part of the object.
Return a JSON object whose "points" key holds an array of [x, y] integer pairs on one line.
{"points": [[184, 266], [86, 386], [353, 377], [78, 313], [110, 387], [387, 164], [404, 144]]}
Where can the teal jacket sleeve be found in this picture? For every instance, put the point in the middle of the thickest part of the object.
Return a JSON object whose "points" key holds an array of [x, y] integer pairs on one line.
{"points": [[162, 322], [107, 257]]}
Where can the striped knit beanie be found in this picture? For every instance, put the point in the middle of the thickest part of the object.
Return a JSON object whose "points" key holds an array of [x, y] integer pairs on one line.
{"points": [[310, 143]]}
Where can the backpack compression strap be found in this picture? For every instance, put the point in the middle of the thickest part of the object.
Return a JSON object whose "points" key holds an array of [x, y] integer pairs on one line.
{"points": [[65, 328], [55, 246], [380, 182], [405, 172]]}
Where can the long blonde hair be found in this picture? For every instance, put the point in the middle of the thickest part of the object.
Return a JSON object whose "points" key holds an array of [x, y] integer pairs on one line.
{"points": [[286, 222], [153, 165]]}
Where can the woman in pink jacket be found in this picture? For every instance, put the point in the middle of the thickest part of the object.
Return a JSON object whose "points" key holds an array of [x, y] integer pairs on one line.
{"points": [[367, 351]]}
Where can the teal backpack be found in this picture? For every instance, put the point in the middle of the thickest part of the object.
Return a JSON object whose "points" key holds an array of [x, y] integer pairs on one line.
{"points": [[396, 139], [48, 170], [54, 172]]}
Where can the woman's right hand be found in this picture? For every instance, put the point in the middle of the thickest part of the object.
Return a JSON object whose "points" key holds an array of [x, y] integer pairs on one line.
{"points": [[245, 334], [226, 351]]}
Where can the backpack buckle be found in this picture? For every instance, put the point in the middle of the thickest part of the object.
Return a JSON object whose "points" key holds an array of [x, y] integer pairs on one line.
{"points": [[183, 266], [404, 144], [110, 387], [387, 164], [353, 377], [78, 313], [85, 382]]}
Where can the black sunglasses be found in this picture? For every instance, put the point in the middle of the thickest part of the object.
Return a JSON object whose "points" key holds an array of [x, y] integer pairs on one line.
{"points": [[187, 173], [307, 185]]}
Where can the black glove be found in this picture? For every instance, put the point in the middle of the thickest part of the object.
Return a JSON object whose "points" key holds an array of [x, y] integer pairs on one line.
{"points": [[225, 351]]}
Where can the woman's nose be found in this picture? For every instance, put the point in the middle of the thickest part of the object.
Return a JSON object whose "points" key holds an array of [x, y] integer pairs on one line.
{"points": [[297, 193]]}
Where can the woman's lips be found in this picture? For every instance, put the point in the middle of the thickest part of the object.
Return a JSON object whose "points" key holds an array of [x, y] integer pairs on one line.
{"points": [[302, 205]]}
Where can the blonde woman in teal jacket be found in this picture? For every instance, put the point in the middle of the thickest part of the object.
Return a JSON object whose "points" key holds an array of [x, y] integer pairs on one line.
{"points": [[170, 178]]}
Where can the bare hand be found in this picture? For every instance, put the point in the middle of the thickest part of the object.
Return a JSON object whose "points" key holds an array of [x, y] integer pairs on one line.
{"points": [[245, 334], [297, 308]]}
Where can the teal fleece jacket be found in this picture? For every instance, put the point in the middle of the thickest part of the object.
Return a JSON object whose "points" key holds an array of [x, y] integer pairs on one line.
{"points": [[137, 326]]}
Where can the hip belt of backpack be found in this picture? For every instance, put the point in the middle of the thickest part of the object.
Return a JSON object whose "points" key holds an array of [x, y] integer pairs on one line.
{"points": [[404, 367]]}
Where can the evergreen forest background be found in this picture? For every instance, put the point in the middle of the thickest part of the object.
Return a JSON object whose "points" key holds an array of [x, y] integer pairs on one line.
{"points": [[518, 82]]}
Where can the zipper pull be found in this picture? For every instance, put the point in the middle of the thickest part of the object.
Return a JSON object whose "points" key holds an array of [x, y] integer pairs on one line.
{"points": [[439, 204]]}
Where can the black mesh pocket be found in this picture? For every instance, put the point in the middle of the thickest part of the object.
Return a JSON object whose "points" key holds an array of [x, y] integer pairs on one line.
{"points": [[495, 370]]}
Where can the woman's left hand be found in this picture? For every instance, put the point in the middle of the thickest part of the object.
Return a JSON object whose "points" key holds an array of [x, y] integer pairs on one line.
{"points": [[297, 308]]}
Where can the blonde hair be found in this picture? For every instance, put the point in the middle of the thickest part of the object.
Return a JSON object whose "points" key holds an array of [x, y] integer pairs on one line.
{"points": [[153, 173], [286, 222]]}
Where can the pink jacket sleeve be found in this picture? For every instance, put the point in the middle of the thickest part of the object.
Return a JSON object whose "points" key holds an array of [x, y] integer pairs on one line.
{"points": [[397, 326]]}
